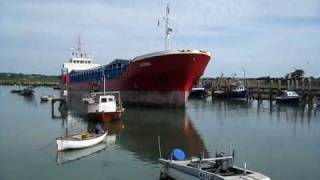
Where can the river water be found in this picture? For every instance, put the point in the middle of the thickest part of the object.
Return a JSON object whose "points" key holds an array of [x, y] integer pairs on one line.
{"points": [[281, 141]]}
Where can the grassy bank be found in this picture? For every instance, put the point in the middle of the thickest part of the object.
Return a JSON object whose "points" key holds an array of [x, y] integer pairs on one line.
{"points": [[28, 79]]}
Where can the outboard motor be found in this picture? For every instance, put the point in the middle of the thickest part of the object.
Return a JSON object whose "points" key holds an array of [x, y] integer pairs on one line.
{"points": [[224, 164]]}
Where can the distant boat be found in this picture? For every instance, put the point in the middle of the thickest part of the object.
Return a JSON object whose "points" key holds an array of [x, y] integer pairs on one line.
{"points": [[28, 91], [197, 92], [237, 91], [219, 94], [221, 168], [45, 98], [56, 87], [18, 91], [288, 97], [78, 141]]}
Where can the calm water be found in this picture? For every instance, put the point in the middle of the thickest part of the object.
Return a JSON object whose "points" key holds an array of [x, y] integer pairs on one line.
{"points": [[282, 142]]}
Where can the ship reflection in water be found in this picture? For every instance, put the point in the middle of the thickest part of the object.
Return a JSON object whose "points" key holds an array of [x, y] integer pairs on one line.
{"points": [[138, 130], [143, 126], [225, 108]]}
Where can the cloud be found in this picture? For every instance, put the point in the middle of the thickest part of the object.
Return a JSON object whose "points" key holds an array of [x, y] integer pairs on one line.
{"points": [[281, 33]]}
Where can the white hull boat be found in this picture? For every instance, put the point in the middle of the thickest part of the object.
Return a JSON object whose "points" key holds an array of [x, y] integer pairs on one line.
{"points": [[46, 98], [288, 97], [219, 168], [67, 156], [78, 141]]}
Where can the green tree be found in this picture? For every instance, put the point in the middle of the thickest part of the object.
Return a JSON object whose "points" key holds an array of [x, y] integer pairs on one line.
{"points": [[297, 74]]}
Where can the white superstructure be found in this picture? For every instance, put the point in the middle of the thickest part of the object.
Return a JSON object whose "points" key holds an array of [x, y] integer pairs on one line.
{"points": [[78, 61], [106, 103]]}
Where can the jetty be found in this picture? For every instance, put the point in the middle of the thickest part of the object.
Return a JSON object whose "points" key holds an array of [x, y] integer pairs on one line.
{"points": [[268, 88]]}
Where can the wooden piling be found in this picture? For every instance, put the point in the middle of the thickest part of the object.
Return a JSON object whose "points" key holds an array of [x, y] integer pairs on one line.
{"points": [[62, 106], [309, 84], [259, 91], [271, 90], [302, 85]]}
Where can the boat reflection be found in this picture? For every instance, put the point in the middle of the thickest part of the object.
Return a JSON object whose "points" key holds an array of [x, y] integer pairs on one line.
{"points": [[139, 128], [72, 155], [113, 127], [143, 126], [232, 104], [30, 100], [295, 113]]}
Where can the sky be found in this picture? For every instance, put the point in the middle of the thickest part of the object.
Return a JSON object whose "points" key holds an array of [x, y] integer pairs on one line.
{"points": [[258, 37]]}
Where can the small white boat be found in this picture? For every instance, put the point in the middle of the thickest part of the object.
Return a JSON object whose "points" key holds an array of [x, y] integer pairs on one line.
{"points": [[78, 141], [67, 156], [197, 92], [44, 98], [288, 97], [219, 168]]}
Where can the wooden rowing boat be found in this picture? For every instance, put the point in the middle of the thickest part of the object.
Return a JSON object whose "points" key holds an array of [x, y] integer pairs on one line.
{"points": [[78, 141]]}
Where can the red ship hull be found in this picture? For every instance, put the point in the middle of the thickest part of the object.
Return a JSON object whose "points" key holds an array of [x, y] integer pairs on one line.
{"points": [[159, 79], [103, 116]]}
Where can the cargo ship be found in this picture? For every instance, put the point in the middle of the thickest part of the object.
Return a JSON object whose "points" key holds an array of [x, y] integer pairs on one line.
{"points": [[162, 78]]}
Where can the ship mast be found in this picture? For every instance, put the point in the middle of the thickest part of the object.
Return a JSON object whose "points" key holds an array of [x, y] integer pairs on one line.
{"points": [[168, 29], [79, 44]]}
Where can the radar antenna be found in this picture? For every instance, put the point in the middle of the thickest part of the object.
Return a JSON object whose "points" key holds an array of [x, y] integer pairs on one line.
{"points": [[168, 29], [79, 44]]}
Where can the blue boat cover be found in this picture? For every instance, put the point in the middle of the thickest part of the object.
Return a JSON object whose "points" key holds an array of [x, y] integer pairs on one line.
{"points": [[178, 154]]}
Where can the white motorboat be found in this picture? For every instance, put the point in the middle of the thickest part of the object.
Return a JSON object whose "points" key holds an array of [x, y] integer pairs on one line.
{"points": [[219, 168], [197, 92], [78, 141], [105, 106], [288, 97]]}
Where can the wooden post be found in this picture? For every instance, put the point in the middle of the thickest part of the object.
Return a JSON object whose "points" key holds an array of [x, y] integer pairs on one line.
{"points": [[52, 108], [309, 85], [309, 92], [279, 86], [258, 91], [271, 90]]}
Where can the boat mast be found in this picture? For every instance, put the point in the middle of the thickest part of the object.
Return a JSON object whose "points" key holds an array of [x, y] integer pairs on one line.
{"points": [[168, 30]]}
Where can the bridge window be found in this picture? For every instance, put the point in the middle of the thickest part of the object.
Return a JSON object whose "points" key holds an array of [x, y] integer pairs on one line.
{"points": [[103, 99]]}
